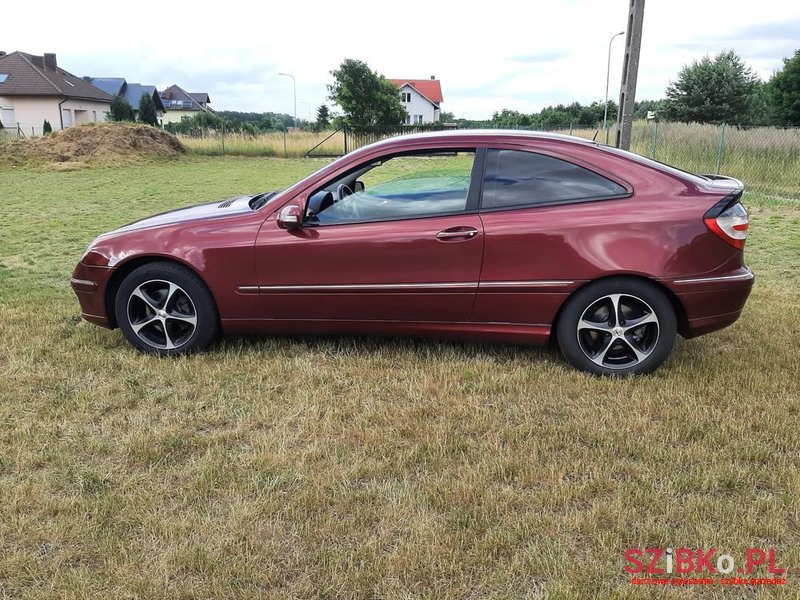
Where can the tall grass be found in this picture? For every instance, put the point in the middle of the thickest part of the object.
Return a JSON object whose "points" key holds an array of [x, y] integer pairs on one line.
{"points": [[276, 143], [766, 159]]}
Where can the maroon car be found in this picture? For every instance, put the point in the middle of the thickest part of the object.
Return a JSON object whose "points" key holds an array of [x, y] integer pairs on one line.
{"points": [[512, 237]]}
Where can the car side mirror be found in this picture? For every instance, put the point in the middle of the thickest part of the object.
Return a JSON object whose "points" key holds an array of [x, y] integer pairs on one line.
{"points": [[290, 217], [358, 186]]}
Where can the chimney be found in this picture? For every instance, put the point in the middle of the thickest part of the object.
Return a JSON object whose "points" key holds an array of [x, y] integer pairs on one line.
{"points": [[50, 61], [433, 77], [2, 52]]}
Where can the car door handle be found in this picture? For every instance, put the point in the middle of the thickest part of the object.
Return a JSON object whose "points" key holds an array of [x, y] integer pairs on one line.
{"points": [[465, 233]]}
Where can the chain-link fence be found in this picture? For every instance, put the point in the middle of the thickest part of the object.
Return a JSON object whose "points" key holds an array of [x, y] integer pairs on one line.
{"points": [[293, 143], [766, 159]]}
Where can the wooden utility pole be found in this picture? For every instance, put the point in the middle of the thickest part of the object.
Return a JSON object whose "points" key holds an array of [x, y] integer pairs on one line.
{"points": [[630, 71]]}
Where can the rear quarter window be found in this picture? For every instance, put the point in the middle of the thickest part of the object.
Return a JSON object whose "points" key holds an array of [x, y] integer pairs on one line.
{"points": [[518, 178]]}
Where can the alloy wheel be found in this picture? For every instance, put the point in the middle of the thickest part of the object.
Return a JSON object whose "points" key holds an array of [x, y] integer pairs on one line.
{"points": [[162, 314], [618, 331]]}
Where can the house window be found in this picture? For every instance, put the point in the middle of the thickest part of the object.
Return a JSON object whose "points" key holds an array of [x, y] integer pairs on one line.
{"points": [[417, 119], [405, 97], [7, 117], [407, 120]]}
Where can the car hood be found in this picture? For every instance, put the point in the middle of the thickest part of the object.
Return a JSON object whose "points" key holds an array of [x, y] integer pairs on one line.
{"points": [[226, 208]]}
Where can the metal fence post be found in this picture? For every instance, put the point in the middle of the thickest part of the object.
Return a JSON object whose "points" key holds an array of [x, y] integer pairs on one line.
{"points": [[655, 138], [570, 127], [285, 151], [720, 146], [223, 139], [345, 139]]}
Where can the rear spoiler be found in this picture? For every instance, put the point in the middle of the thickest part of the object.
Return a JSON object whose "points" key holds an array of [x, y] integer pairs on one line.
{"points": [[722, 182], [733, 189]]}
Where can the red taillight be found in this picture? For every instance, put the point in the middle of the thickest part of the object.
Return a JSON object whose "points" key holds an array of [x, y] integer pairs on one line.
{"points": [[731, 225]]}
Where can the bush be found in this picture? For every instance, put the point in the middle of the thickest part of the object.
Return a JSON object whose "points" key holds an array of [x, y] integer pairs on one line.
{"points": [[46, 127], [147, 110], [121, 110]]}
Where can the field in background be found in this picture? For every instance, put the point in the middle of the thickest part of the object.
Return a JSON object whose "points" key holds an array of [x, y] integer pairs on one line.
{"points": [[767, 159], [277, 143], [371, 468]]}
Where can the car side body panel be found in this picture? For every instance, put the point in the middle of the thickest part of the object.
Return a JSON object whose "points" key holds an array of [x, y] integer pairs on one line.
{"points": [[395, 277]]}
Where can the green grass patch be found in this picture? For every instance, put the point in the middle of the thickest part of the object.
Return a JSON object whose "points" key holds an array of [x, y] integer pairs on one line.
{"points": [[351, 467]]}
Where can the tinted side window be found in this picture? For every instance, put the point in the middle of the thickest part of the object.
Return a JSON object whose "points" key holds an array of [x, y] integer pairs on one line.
{"points": [[516, 178]]}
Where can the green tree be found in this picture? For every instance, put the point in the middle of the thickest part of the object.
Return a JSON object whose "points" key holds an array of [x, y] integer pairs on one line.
{"points": [[202, 120], [510, 119], [722, 90], [783, 92], [446, 117], [323, 118], [121, 110], [46, 127], [641, 108], [367, 98], [147, 110]]}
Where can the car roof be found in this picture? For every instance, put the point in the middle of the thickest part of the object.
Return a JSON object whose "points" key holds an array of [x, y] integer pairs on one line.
{"points": [[488, 133]]}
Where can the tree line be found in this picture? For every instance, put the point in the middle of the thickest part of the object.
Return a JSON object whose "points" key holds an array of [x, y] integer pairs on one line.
{"points": [[722, 89], [719, 89]]}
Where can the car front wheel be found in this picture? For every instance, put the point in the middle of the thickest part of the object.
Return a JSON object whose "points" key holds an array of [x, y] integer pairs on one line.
{"points": [[617, 326], [164, 308]]}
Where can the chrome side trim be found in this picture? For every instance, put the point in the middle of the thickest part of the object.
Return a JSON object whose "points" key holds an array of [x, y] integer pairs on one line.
{"points": [[364, 286], [252, 289], [748, 275], [501, 284]]}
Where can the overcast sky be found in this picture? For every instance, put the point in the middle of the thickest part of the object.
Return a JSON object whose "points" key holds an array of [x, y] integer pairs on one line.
{"points": [[489, 55]]}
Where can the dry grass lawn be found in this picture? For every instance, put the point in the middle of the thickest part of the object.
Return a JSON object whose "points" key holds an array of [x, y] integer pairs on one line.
{"points": [[368, 468]]}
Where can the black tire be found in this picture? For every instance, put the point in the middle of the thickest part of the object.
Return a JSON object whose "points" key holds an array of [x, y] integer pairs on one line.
{"points": [[164, 308], [637, 341]]}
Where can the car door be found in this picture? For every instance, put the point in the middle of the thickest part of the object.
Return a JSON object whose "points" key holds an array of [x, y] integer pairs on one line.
{"points": [[405, 246], [534, 205]]}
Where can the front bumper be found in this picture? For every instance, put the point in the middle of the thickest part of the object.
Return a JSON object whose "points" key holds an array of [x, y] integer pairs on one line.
{"points": [[714, 302], [89, 284]]}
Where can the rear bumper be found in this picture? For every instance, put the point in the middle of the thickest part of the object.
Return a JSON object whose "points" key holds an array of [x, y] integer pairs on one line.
{"points": [[89, 284], [713, 302]]}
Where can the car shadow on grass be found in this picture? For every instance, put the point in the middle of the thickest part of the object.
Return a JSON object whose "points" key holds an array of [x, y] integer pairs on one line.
{"points": [[386, 346]]}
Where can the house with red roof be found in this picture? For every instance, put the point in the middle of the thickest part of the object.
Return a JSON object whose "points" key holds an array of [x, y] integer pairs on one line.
{"points": [[422, 99]]}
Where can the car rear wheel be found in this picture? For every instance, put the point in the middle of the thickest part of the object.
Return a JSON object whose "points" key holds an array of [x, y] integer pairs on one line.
{"points": [[617, 326], [165, 309]]}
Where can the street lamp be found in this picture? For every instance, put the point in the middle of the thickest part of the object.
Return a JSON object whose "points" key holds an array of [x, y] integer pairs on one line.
{"points": [[294, 88], [608, 75]]}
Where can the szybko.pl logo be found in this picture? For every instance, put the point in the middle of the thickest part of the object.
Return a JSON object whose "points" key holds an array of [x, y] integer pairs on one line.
{"points": [[696, 566]]}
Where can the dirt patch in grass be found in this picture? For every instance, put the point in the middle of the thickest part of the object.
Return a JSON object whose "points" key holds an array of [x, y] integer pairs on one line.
{"points": [[93, 144]]}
